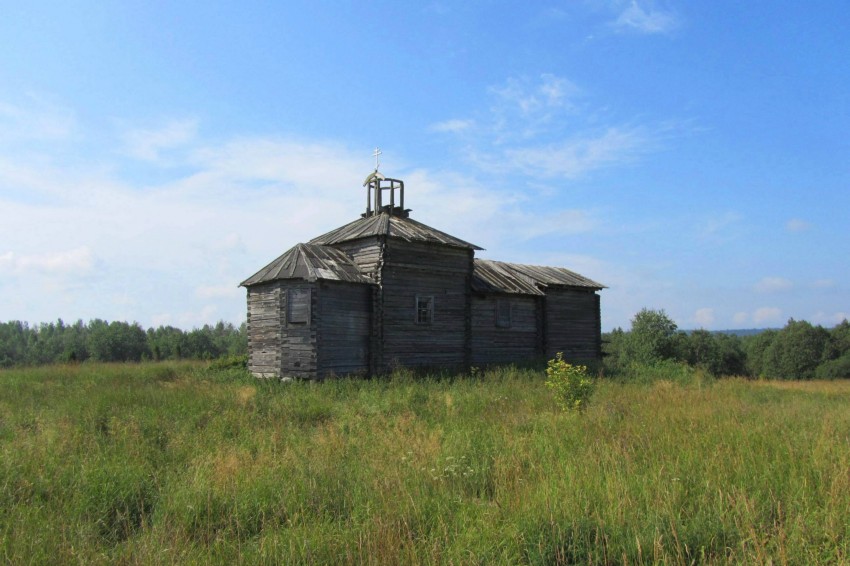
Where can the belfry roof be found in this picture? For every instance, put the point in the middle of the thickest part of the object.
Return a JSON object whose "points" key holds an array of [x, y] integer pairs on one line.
{"points": [[392, 226]]}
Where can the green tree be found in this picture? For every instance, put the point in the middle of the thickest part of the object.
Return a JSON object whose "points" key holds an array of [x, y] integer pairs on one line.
{"points": [[760, 353], [796, 351], [613, 350], [117, 341], [651, 338], [839, 341]]}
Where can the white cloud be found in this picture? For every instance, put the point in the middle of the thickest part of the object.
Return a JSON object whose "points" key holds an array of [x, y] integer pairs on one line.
{"points": [[455, 126], [187, 319], [534, 126], [767, 315], [77, 260], [773, 285], [148, 144], [646, 20], [165, 253], [823, 284], [533, 97], [38, 120], [226, 290], [797, 225], [577, 156], [830, 320], [720, 228], [741, 317], [561, 222], [524, 108], [704, 317]]}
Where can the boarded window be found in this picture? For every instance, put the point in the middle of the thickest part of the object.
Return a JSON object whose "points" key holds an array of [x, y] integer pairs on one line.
{"points": [[424, 309], [503, 313], [298, 306]]}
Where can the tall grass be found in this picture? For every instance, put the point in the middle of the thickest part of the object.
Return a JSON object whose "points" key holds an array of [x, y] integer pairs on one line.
{"points": [[166, 463]]}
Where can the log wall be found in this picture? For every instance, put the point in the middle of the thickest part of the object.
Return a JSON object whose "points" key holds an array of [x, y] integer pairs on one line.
{"points": [[521, 341], [264, 315], [412, 269], [342, 319], [366, 253], [572, 324], [277, 347], [298, 340]]}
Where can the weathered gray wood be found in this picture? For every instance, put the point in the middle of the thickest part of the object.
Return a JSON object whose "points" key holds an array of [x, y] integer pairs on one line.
{"points": [[573, 324], [347, 303], [518, 342], [343, 321]]}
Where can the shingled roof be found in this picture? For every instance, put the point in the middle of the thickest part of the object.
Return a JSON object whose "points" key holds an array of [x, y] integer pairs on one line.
{"points": [[516, 278], [309, 262], [391, 226]]}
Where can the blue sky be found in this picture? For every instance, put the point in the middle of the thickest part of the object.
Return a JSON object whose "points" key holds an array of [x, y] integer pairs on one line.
{"points": [[692, 156]]}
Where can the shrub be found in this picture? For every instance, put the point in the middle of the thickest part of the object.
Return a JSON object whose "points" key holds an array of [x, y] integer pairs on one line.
{"points": [[572, 385], [834, 369], [233, 361], [666, 370]]}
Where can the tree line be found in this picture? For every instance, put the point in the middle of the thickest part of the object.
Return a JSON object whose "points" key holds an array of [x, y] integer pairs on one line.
{"points": [[99, 340], [800, 350]]}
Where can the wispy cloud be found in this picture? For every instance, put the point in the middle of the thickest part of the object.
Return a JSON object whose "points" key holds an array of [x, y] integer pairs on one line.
{"points": [[224, 211], [225, 290], [579, 155], [77, 260], [523, 108], [767, 315], [148, 144], [741, 317], [647, 19], [530, 97], [796, 225], [823, 284], [536, 127], [704, 317], [830, 319], [720, 228], [455, 126], [773, 285], [36, 119], [760, 317]]}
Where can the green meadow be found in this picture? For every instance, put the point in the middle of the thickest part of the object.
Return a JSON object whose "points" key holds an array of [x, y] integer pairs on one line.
{"points": [[166, 463]]}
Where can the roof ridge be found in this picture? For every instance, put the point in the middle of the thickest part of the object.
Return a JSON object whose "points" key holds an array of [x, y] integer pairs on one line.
{"points": [[391, 226]]}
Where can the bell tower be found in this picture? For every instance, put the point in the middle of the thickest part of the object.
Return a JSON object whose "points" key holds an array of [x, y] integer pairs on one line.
{"points": [[376, 185]]}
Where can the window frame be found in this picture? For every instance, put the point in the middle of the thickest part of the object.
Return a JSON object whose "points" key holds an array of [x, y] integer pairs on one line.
{"points": [[500, 310], [428, 310], [305, 296]]}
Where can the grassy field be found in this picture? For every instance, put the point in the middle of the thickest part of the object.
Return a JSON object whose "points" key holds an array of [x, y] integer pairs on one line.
{"points": [[175, 463]]}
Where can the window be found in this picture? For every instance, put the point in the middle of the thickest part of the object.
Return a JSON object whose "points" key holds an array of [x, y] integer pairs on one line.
{"points": [[424, 309], [503, 313], [298, 306]]}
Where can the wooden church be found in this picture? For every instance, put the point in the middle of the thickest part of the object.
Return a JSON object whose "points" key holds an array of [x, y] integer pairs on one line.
{"points": [[386, 291]]}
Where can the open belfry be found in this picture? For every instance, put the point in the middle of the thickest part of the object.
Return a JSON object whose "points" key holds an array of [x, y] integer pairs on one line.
{"points": [[386, 291]]}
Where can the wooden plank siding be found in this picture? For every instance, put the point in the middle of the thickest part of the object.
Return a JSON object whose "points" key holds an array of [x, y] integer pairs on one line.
{"points": [[386, 291], [298, 339], [412, 269], [264, 326], [365, 252], [521, 341], [343, 322], [277, 347], [572, 324]]}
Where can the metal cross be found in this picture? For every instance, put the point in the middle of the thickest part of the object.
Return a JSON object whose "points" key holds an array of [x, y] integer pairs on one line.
{"points": [[375, 154]]}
